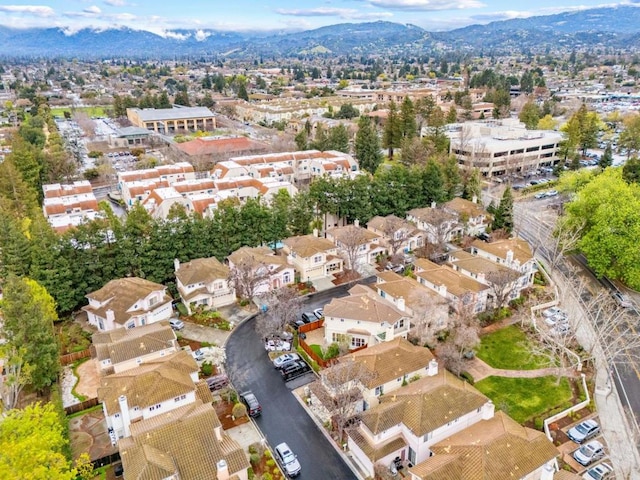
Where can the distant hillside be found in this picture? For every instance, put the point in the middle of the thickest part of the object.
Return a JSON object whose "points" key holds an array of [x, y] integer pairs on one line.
{"points": [[617, 27]]}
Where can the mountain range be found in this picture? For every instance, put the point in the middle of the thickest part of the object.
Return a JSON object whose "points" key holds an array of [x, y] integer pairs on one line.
{"points": [[611, 27]]}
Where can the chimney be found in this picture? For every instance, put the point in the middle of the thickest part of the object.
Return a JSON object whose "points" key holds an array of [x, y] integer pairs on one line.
{"points": [[356, 222], [124, 413], [315, 232], [176, 264], [222, 470], [433, 204], [509, 256], [432, 369], [400, 304], [111, 318], [474, 199], [488, 410]]}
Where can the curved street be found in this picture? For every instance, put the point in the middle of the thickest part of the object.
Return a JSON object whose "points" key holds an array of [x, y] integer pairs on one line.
{"points": [[283, 419]]}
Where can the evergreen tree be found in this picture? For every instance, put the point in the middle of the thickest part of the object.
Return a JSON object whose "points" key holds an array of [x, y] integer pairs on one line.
{"points": [[606, 160], [338, 139], [472, 186], [302, 140], [367, 145], [408, 128], [392, 135], [242, 92], [452, 115], [503, 217]]}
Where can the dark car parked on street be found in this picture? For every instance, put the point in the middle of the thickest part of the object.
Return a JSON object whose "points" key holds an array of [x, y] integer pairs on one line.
{"points": [[251, 402], [294, 369]]}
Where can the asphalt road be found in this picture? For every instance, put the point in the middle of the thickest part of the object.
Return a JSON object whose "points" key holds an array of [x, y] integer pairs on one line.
{"points": [[283, 419]]}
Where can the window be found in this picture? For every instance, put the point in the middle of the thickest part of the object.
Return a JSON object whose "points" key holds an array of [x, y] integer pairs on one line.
{"points": [[412, 456], [155, 407], [399, 323], [379, 390], [117, 415], [217, 285], [153, 301], [131, 324], [181, 397], [317, 259], [358, 342], [427, 437]]}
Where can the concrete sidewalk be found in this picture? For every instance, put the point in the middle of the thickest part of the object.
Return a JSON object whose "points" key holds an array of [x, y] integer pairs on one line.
{"points": [[480, 370]]}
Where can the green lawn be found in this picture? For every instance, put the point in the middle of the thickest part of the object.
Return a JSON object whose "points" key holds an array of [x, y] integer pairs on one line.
{"points": [[526, 398], [91, 111], [510, 349], [317, 349]]}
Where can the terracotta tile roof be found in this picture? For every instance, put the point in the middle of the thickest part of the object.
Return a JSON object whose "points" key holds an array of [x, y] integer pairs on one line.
{"points": [[202, 270], [424, 405], [365, 305], [566, 475], [211, 146], [185, 438], [379, 223], [150, 383], [440, 467], [189, 186], [520, 248], [391, 360], [463, 206], [455, 282], [476, 264], [306, 246], [122, 294], [494, 449], [344, 234], [64, 190], [122, 344]]}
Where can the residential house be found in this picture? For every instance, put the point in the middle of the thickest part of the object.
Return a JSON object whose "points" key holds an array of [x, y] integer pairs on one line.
{"points": [[203, 283], [410, 420], [153, 388], [390, 365], [271, 271], [494, 448], [505, 283], [439, 224], [186, 443], [123, 349], [515, 253], [312, 257], [128, 302], [471, 215], [398, 235], [463, 293], [69, 205], [363, 318], [357, 245]]}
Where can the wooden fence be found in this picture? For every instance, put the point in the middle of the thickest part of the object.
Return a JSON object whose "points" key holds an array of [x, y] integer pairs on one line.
{"points": [[69, 358], [79, 407], [313, 355], [308, 327]]}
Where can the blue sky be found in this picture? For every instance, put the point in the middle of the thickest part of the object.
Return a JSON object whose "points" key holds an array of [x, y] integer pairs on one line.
{"points": [[160, 16]]}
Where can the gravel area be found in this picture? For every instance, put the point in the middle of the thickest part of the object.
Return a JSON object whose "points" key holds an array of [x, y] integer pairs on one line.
{"points": [[68, 382]]}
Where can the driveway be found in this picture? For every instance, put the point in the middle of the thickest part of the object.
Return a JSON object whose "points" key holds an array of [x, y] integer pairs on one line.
{"points": [[283, 419]]}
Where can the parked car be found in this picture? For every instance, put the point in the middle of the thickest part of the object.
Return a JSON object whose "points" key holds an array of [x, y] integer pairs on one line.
{"points": [[254, 409], [296, 324], [319, 312], [560, 330], [551, 193], [217, 382], [282, 360], [118, 470], [308, 317], [540, 195], [557, 319], [294, 369], [276, 345], [584, 431], [484, 236], [589, 453], [601, 471], [287, 460], [622, 300], [176, 323], [551, 311]]}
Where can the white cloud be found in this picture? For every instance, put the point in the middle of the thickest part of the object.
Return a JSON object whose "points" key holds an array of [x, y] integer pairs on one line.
{"points": [[36, 10], [345, 13], [201, 35], [427, 5], [93, 10], [115, 3]]}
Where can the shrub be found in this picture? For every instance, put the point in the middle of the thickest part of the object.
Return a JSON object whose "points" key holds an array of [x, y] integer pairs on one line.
{"points": [[250, 474], [538, 423], [468, 377], [239, 410], [207, 369], [333, 351], [270, 463], [254, 459], [267, 454], [267, 476], [182, 309]]}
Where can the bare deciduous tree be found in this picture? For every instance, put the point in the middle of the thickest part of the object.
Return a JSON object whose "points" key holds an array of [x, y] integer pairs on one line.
{"points": [[465, 336], [350, 240], [503, 282], [283, 307], [341, 387], [247, 275], [427, 319], [440, 226], [396, 232]]}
